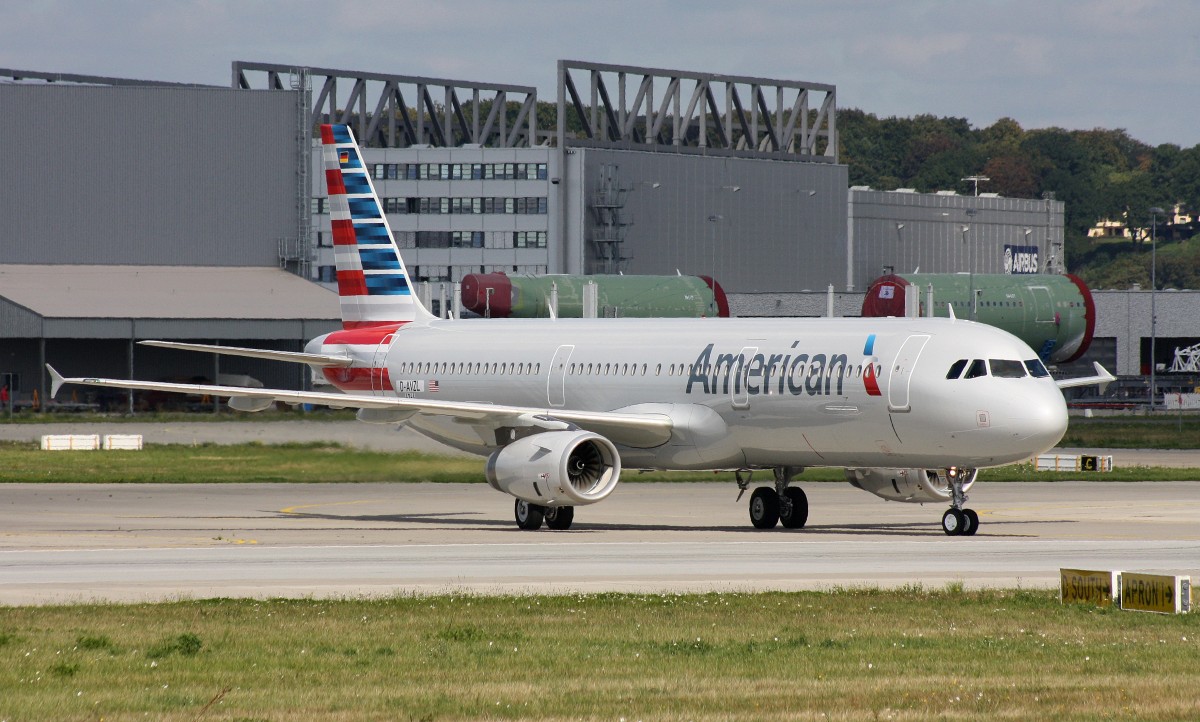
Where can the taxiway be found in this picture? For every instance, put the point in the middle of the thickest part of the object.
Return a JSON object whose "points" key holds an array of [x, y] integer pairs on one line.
{"points": [[64, 543]]}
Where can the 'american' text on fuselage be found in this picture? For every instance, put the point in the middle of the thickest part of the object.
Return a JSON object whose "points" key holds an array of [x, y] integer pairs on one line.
{"points": [[761, 373]]}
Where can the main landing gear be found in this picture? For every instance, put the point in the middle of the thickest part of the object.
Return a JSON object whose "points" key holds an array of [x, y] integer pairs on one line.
{"points": [[958, 521], [783, 504], [530, 516]]}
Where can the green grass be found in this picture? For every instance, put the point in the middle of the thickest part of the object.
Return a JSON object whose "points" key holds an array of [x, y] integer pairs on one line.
{"points": [[320, 462], [316, 462], [908, 654], [1164, 431]]}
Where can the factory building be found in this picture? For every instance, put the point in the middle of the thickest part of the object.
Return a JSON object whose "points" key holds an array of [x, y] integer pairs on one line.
{"points": [[136, 210], [646, 171]]}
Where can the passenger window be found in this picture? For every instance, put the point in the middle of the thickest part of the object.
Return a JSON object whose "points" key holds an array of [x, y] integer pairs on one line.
{"points": [[978, 368], [956, 369], [1006, 369], [1036, 369]]}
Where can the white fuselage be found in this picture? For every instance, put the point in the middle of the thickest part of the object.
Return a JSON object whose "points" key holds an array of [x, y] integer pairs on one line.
{"points": [[740, 392]]}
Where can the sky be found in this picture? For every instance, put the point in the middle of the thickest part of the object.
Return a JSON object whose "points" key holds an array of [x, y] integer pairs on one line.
{"points": [[1075, 64]]}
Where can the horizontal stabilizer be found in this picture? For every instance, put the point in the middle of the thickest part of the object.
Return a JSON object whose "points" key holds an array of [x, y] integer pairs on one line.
{"points": [[314, 359], [1102, 379]]}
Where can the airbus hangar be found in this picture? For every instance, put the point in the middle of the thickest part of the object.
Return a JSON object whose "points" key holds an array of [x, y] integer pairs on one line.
{"points": [[137, 210], [216, 194]]}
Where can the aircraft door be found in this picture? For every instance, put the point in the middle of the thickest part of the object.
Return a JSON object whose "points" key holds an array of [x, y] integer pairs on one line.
{"points": [[900, 375], [556, 383], [1043, 306], [739, 391], [380, 382]]}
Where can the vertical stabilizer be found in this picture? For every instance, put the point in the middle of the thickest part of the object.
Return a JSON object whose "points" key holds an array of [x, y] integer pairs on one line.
{"points": [[373, 285]]}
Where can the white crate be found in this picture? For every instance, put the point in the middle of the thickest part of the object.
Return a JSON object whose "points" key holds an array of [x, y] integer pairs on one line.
{"points": [[123, 442], [70, 442]]}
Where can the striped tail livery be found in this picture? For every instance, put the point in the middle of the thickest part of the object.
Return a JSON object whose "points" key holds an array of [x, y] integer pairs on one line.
{"points": [[373, 285]]}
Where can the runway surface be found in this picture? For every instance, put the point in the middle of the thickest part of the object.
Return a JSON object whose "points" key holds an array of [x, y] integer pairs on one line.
{"points": [[62, 543]]}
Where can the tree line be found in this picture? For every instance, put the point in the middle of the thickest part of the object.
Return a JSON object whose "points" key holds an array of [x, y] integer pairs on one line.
{"points": [[1098, 174]]}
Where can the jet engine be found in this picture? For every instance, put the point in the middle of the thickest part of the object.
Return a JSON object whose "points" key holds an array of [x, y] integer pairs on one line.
{"points": [[913, 485], [556, 468]]}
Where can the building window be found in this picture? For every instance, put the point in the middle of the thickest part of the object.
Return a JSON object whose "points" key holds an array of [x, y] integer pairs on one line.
{"points": [[529, 239], [327, 274]]}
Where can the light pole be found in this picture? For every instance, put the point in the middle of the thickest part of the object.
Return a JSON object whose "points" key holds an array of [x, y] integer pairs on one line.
{"points": [[976, 179], [1153, 291], [970, 261], [713, 220]]}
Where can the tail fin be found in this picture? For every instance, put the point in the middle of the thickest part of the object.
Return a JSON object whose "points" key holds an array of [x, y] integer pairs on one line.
{"points": [[373, 285]]}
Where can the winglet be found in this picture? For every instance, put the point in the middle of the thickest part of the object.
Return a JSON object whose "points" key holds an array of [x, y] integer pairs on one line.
{"points": [[1103, 372], [56, 380], [1102, 379], [950, 308]]}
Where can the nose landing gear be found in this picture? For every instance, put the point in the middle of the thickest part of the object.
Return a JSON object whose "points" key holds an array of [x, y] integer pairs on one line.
{"points": [[958, 521]]}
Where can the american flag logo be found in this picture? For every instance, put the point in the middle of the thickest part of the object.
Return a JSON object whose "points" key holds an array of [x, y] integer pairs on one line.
{"points": [[432, 386]]}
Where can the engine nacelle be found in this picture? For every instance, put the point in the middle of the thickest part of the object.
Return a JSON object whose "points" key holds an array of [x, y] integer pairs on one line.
{"points": [[556, 468], [913, 485]]}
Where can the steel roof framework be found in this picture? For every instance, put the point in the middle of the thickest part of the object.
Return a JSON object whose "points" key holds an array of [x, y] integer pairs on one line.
{"points": [[740, 115], [464, 113]]}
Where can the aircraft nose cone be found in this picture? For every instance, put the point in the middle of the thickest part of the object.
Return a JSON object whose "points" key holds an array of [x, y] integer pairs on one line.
{"points": [[1045, 419]]}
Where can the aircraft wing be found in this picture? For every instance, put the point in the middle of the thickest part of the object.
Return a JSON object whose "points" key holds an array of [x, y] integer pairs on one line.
{"points": [[1102, 378], [637, 430]]}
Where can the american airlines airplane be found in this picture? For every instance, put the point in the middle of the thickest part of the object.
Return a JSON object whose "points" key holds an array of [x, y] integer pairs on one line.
{"points": [[911, 408]]}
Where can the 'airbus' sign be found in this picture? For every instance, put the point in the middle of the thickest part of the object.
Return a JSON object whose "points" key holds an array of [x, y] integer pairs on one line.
{"points": [[1020, 259]]}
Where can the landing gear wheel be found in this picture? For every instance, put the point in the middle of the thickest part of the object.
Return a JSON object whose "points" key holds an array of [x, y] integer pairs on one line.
{"points": [[972, 522], [529, 516], [559, 517], [953, 522], [795, 514], [764, 508]]}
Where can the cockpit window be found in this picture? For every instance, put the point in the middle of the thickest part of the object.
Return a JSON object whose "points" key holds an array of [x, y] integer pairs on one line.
{"points": [[1006, 369], [956, 370], [977, 369], [1036, 369]]}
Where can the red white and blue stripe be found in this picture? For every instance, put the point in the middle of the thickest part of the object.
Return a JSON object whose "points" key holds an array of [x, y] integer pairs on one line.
{"points": [[373, 284]]}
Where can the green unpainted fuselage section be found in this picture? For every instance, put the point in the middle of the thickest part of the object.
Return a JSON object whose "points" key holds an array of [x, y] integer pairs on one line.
{"points": [[1046, 311], [624, 296]]}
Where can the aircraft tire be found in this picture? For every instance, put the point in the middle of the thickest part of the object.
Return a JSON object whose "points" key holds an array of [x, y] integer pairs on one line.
{"points": [[797, 515], [764, 508], [559, 517], [972, 524], [529, 516], [953, 522]]}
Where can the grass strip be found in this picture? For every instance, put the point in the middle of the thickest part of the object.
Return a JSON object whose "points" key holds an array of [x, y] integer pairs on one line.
{"points": [[322, 462], [1163, 431], [907, 654]]}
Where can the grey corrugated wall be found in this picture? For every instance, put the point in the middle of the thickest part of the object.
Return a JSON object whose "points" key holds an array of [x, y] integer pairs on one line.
{"points": [[146, 175], [922, 230], [784, 229]]}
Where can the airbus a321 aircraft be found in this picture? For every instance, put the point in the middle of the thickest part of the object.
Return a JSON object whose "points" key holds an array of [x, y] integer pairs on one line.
{"points": [[910, 407]]}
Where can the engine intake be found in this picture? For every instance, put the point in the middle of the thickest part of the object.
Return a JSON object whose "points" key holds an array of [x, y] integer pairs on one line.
{"points": [[912, 485], [556, 468]]}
